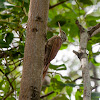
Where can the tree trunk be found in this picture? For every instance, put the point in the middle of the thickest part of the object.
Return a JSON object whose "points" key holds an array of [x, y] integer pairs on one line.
{"points": [[34, 50], [85, 66], [82, 55]]}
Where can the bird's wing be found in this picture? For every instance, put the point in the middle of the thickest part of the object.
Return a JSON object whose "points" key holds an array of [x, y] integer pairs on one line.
{"points": [[55, 48], [51, 51]]}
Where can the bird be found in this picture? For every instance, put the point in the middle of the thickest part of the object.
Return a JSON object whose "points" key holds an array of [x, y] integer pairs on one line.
{"points": [[52, 47]]}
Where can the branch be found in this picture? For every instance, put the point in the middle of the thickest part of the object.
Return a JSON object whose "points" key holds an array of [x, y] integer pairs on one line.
{"points": [[94, 30], [95, 87], [16, 77], [79, 55], [77, 79], [47, 94], [80, 26], [57, 4], [98, 79], [9, 84], [15, 66], [6, 53], [8, 94]]}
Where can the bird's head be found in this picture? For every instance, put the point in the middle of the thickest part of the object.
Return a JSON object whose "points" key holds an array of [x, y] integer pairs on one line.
{"points": [[62, 34]]}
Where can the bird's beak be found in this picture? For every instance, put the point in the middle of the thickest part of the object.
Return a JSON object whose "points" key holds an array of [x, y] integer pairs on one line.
{"points": [[59, 27]]}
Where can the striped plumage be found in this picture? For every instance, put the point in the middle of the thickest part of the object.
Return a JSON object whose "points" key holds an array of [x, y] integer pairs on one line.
{"points": [[52, 47]]}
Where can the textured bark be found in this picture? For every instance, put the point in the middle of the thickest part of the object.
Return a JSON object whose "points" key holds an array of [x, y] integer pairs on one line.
{"points": [[34, 50], [85, 67], [82, 55]]}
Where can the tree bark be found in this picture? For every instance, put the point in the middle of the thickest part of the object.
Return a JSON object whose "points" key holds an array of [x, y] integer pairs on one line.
{"points": [[82, 55], [85, 66], [34, 50]]}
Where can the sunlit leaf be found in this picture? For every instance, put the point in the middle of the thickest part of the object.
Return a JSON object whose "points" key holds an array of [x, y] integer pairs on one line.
{"points": [[59, 67]]}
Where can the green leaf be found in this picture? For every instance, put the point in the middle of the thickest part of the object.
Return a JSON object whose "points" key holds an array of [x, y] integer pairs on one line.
{"points": [[57, 77], [49, 35], [27, 1], [9, 37], [11, 98], [1, 83], [95, 39], [94, 62], [95, 95], [3, 44], [21, 48], [58, 18], [26, 6], [48, 90], [24, 20], [78, 95], [57, 85], [69, 90], [61, 97], [89, 46], [59, 67], [88, 2], [7, 70], [63, 46], [91, 17], [67, 78], [2, 3], [91, 20], [5, 16]]}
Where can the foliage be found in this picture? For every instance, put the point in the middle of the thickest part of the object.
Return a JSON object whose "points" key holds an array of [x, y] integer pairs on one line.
{"points": [[13, 19]]}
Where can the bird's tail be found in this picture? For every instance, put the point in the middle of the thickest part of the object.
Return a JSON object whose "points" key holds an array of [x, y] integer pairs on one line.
{"points": [[45, 70]]}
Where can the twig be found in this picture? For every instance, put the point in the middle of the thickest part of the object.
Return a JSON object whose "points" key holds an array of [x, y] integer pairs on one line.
{"points": [[16, 61], [8, 94], [98, 79], [4, 53], [77, 79], [9, 84], [57, 4], [15, 66], [47, 94], [94, 87], [15, 77]]}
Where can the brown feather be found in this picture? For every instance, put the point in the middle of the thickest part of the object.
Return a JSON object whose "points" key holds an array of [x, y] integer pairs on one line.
{"points": [[52, 47]]}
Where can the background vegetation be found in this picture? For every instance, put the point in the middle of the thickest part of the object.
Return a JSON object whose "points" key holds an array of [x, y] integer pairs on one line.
{"points": [[13, 24]]}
